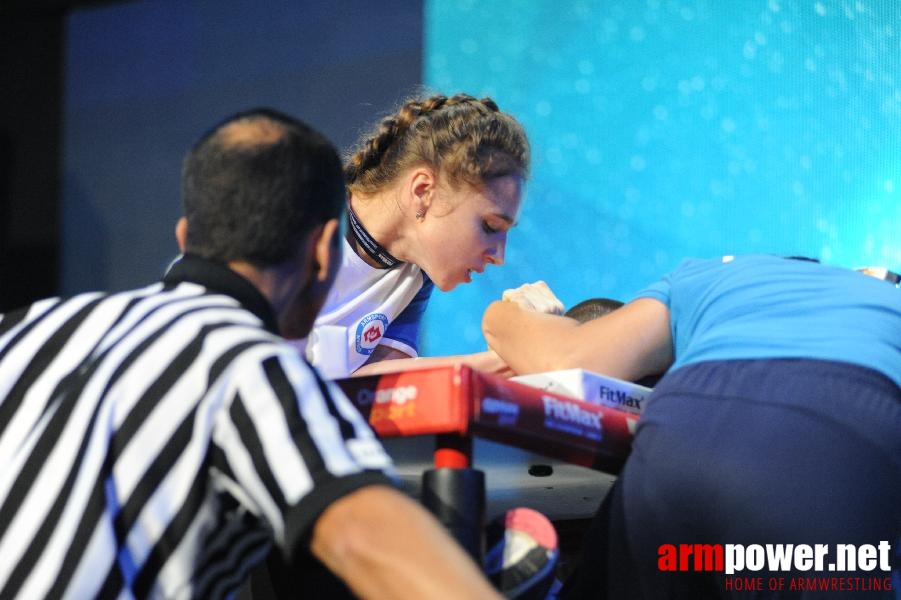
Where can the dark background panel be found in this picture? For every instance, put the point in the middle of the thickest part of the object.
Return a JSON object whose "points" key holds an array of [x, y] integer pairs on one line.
{"points": [[102, 99], [30, 77]]}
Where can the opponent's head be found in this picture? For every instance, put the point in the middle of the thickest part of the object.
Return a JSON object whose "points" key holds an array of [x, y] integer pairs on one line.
{"points": [[592, 308], [460, 164]]}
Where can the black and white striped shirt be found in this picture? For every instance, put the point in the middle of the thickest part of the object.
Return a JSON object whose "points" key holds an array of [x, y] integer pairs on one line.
{"points": [[154, 443]]}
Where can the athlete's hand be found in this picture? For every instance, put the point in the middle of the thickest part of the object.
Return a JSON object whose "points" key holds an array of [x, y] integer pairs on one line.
{"points": [[535, 296]]}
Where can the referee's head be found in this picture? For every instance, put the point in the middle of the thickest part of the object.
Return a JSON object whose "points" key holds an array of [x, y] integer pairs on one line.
{"points": [[255, 185], [263, 193]]}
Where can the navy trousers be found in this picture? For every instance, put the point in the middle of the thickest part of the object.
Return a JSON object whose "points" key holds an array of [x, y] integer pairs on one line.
{"points": [[753, 452]]}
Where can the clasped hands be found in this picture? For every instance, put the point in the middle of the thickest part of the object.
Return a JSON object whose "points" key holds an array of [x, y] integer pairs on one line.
{"points": [[535, 296]]}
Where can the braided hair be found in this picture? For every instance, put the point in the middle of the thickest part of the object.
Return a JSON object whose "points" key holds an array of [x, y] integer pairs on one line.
{"points": [[469, 140]]}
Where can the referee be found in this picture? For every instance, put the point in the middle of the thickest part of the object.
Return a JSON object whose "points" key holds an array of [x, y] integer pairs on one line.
{"points": [[157, 442]]}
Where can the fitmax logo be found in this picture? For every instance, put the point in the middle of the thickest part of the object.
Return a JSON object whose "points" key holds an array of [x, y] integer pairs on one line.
{"points": [[571, 418]]}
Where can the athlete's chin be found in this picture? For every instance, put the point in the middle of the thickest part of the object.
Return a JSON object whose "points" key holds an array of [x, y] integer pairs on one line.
{"points": [[448, 279], [450, 283], [447, 286]]}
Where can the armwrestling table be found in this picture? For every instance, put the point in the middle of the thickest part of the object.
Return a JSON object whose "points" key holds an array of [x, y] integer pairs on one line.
{"points": [[573, 449]]}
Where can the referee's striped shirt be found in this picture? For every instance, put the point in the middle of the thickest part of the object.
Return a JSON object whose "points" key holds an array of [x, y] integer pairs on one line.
{"points": [[153, 443]]}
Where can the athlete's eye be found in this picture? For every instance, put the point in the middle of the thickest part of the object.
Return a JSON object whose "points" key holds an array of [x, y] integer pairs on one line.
{"points": [[488, 228]]}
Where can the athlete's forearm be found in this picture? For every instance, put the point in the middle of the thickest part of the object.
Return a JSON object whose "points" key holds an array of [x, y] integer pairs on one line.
{"points": [[528, 341]]}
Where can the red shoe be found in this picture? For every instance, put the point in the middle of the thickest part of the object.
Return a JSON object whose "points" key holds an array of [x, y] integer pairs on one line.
{"points": [[521, 554]]}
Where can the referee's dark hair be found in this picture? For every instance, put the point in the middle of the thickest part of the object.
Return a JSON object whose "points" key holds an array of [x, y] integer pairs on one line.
{"points": [[255, 184]]}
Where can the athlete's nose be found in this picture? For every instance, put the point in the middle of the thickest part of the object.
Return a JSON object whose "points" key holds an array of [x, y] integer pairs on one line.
{"points": [[495, 255]]}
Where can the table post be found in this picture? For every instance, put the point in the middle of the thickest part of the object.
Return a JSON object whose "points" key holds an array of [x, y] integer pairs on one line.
{"points": [[455, 492]]}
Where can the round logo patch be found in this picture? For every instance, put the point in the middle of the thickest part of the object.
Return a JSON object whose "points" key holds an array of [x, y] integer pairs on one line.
{"points": [[370, 331]]}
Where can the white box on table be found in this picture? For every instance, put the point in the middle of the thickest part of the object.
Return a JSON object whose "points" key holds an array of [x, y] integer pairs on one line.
{"points": [[591, 387]]}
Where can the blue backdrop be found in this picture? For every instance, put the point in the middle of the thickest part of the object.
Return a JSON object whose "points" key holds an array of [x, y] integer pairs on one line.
{"points": [[660, 128], [664, 128]]}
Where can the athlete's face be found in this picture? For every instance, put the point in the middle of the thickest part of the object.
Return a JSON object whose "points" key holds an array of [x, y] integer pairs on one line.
{"points": [[466, 229]]}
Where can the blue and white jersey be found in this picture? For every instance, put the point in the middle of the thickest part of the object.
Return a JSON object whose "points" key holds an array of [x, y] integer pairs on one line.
{"points": [[365, 308]]}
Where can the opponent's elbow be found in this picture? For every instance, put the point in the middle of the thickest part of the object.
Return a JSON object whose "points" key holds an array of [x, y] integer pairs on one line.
{"points": [[490, 320]]}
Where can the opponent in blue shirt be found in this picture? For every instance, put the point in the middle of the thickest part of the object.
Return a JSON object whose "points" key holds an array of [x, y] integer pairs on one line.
{"points": [[777, 421]]}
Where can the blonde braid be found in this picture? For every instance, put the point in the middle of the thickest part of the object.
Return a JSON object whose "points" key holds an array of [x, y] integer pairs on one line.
{"points": [[471, 140]]}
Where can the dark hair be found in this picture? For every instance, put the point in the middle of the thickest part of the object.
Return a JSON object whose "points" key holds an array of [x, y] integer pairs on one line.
{"points": [[586, 310], [255, 184], [468, 140]]}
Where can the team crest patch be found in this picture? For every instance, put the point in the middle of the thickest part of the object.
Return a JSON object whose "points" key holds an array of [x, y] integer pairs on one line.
{"points": [[370, 331]]}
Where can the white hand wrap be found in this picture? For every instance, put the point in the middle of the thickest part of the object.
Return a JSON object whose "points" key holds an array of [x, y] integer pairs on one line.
{"points": [[535, 296]]}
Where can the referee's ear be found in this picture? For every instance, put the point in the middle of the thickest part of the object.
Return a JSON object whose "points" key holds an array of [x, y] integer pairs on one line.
{"points": [[326, 254], [181, 234]]}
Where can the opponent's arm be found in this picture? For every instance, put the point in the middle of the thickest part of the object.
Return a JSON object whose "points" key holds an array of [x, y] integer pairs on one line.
{"points": [[629, 343], [385, 545]]}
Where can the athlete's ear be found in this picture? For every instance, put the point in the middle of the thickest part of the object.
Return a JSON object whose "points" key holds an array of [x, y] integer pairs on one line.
{"points": [[422, 185], [181, 233]]}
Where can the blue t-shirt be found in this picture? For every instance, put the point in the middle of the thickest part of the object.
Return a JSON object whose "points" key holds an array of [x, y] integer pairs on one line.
{"points": [[762, 306]]}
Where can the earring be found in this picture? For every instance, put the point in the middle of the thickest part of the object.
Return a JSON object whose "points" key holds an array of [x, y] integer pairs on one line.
{"points": [[420, 214]]}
